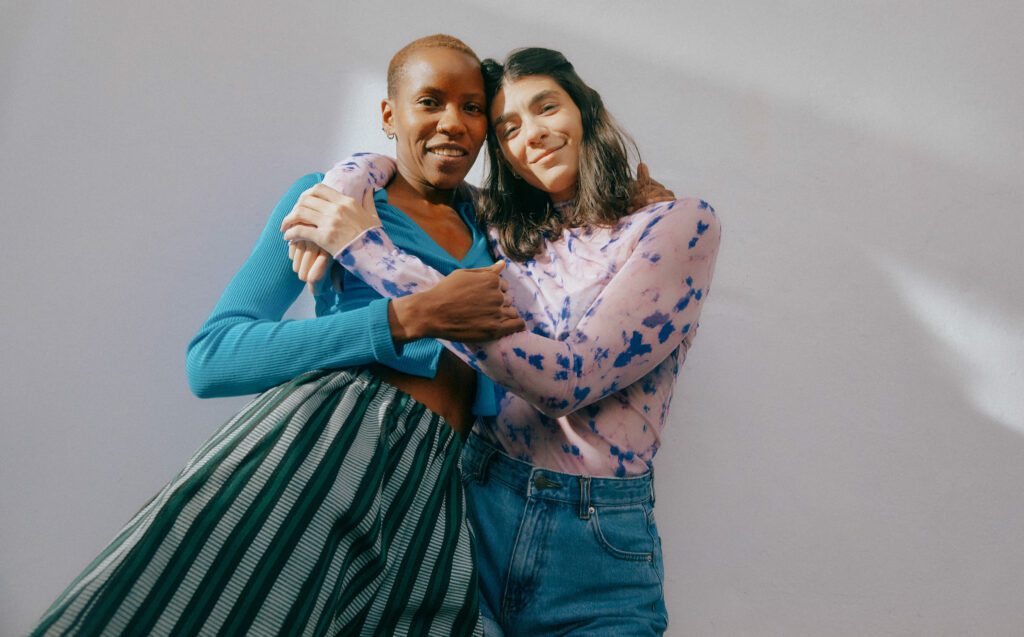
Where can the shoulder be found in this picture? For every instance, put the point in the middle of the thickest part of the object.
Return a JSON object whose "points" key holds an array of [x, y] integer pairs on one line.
{"points": [[689, 223], [678, 217], [302, 184], [287, 201]]}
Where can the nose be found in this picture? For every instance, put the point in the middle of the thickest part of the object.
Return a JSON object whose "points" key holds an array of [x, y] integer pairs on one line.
{"points": [[535, 132], [451, 123]]}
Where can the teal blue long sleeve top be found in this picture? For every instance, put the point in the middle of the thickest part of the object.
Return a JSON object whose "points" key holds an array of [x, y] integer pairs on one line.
{"points": [[245, 347]]}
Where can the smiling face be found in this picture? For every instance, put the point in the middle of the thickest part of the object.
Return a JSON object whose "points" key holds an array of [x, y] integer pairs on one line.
{"points": [[540, 130], [438, 117]]}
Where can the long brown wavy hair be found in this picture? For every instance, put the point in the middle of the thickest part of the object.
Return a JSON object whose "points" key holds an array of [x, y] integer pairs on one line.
{"points": [[524, 215]]}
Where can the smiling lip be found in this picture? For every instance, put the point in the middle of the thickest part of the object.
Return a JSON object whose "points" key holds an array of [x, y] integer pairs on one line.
{"points": [[448, 151], [547, 153]]}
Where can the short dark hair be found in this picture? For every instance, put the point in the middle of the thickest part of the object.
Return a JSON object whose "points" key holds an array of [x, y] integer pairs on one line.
{"points": [[524, 215], [396, 67]]}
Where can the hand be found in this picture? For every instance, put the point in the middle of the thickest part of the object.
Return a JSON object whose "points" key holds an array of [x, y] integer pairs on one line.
{"points": [[646, 191], [328, 218], [470, 305], [309, 262]]}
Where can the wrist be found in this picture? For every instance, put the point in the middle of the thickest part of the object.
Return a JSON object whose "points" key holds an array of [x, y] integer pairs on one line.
{"points": [[405, 319]]}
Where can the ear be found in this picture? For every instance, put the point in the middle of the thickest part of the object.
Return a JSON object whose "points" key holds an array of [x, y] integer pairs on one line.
{"points": [[387, 117]]}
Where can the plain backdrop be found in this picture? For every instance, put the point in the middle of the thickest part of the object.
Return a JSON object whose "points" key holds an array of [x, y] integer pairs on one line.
{"points": [[845, 452]]}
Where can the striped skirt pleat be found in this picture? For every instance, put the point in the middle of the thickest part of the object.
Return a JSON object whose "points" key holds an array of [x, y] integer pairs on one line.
{"points": [[330, 505]]}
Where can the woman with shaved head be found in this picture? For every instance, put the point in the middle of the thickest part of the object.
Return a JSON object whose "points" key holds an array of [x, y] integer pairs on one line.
{"points": [[331, 504]]}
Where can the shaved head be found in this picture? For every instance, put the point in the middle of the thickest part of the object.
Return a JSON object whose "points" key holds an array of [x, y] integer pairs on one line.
{"points": [[396, 68]]}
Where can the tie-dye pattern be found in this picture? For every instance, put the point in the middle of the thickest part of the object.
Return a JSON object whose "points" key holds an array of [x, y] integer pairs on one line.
{"points": [[610, 315]]}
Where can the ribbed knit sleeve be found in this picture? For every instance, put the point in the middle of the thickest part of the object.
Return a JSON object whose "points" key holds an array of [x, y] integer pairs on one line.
{"points": [[244, 347]]}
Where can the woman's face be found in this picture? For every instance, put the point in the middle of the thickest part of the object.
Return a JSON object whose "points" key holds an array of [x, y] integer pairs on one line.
{"points": [[540, 130], [438, 115]]}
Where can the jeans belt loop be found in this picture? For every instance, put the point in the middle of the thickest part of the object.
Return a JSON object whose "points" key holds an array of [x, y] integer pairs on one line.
{"points": [[484, 466], [653, 498], [585, 507]]}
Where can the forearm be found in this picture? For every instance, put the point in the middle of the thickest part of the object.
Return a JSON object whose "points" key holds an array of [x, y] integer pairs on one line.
{"points": [[234, 354], [644, 314], [246, 347], [397, 274]]}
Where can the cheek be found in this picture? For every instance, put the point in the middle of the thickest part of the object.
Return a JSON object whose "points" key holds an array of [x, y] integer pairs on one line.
{"points": [[511, 155]]}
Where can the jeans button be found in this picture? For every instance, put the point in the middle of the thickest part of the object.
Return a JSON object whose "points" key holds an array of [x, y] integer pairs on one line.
{"points": [[591, 510]]}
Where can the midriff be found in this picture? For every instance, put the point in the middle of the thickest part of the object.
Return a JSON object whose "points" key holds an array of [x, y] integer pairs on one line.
{"points": [[449, 394]]}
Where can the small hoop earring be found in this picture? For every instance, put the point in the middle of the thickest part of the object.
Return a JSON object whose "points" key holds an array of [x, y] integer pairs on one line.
{"points": [[390, 135]]}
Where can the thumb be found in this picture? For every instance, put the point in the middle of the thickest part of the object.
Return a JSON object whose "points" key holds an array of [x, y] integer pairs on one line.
{"points": [[495, 267], [643, 175]]}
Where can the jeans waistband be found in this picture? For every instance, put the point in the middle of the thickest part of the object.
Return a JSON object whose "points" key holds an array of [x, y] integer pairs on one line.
{"points": [[482, 462]]}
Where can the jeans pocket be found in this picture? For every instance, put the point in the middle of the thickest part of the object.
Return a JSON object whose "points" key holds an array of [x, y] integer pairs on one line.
{"points": [[624, 532]]}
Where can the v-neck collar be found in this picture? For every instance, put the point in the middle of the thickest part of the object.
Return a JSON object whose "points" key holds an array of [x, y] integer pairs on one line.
{"points": [[463, 207]]}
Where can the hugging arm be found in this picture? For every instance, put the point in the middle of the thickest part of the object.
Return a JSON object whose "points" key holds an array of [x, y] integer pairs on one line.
{"points": [[646, 311], [245, 347]]}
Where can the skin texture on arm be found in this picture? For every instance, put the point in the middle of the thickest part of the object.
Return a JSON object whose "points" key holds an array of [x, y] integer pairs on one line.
{"points": [[355, 176], [645, 312], [244, 347]]}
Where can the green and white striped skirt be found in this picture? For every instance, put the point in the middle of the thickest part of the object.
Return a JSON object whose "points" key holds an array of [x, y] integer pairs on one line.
{"points": [[330, 505]]}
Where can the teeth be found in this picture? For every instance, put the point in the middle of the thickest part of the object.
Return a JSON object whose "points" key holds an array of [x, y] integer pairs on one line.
{"points": [[448, 152]]}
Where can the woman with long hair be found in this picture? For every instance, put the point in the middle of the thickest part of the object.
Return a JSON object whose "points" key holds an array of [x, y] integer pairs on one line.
{"points": [[560, 481], [331, 504]]}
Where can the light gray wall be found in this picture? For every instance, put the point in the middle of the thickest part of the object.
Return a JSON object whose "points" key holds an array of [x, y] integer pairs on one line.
{"points": [[846, 449]]}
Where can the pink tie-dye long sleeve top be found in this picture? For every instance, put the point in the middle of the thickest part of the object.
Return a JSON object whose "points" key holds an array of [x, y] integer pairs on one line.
{"points": [[610, 315]]}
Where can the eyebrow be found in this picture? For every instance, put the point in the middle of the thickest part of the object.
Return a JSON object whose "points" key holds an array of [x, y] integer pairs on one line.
{"points": [[539, 97], [433, 90]]}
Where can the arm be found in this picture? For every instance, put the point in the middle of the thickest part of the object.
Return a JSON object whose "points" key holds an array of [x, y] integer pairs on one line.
{"points": [[244, 346], [357, 176], [646, 311]]}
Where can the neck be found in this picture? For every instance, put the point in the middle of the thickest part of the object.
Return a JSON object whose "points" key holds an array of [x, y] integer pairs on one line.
{"points": [[563, 205], [401, 186], [563, 199]]}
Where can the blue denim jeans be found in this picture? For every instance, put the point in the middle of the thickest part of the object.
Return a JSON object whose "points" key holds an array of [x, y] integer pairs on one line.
{"points": [[561, 554]]}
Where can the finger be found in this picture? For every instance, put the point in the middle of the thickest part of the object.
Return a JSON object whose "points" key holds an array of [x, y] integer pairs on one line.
{"points": [[643, 175], [300, 256], [302, 233], [311, 286], [298, 249], [319, 267], [368, 202], [326, 193], [342, 206], [503, 285], [307, 263], [512, 325], [660, 188], [291, 250], [302, 214], [328, 199], [495, 267]]}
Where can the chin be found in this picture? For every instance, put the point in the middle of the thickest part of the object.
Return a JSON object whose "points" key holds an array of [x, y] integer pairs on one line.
{"points": [[559, 185], [446, 181], [555, 180]]}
